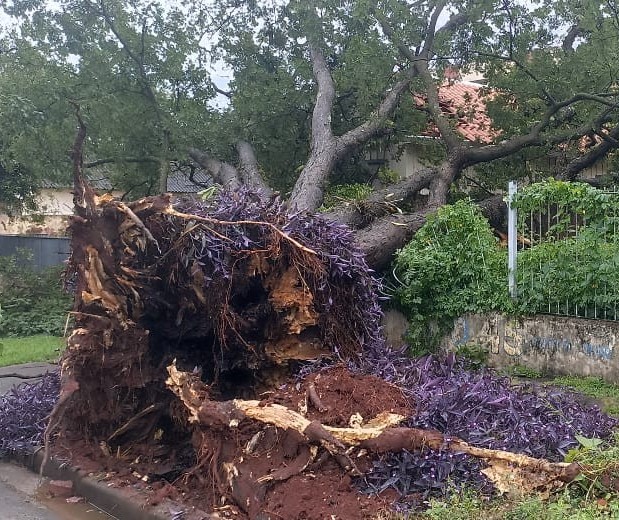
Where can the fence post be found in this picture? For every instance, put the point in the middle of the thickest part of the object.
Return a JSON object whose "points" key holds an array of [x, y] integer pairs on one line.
{"points": [[512, 235]]}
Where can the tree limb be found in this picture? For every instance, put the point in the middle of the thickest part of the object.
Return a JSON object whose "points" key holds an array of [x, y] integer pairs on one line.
{"points": [[394, 231], [471, 156], [568, 42], [223, 173], [308, 191], [376, 121], [451, 139], [249, 171], [384, 201], [426, 51], [225, 93], [575, 166]]}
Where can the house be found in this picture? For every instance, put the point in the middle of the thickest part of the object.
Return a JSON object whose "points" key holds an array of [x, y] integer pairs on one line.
{"points": [[463, 100], [54, 202]]}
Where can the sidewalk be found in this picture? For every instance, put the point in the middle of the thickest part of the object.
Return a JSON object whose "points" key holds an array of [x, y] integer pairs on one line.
{"points": [[26, 371]]}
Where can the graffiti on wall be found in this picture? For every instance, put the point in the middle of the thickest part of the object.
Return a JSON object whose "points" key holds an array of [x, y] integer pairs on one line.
{"points": [[514, 338]]}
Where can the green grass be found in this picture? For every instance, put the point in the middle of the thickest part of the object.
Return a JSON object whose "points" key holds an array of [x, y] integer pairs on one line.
{"points": [[14, 351], [468, 506], [605, 393]]}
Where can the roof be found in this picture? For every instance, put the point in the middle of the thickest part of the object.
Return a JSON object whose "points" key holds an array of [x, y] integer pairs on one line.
{"points": [[98, 182], [464, 102], [181, 181]]}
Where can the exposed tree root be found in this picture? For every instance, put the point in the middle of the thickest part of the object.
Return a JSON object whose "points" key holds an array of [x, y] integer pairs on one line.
{"points": [[510, 472]]}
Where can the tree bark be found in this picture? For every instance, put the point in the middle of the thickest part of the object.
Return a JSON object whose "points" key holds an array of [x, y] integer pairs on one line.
{"points": [[223, 173], [249, 171], [385, 235]]}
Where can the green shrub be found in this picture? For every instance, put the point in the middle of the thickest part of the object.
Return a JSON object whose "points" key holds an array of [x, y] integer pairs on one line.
{"points": [[32, 302], [452, 266], [583, 270]]}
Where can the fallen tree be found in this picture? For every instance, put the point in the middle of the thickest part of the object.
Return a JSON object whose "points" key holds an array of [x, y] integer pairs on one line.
{"points": [[190, 322]]}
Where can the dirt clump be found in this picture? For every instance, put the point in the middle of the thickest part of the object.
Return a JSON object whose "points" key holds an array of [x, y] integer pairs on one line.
{"points": [[277, 474]]}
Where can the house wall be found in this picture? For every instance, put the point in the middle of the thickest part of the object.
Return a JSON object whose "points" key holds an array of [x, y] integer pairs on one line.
{"points": [[408, 162], [51, 217]]}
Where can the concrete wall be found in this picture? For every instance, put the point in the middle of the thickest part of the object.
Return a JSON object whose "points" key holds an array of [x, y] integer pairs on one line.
{"points": [[549, 344]]}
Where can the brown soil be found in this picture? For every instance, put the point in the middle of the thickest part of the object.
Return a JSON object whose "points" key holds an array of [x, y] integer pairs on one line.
{"points": [[321, 490]]}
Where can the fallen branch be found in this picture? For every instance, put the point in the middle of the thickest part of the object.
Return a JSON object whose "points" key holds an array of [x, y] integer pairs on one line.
{"points": [[510, 472]]}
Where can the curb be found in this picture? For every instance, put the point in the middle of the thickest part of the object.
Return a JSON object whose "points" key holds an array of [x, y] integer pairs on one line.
{"points": [[122, 503]]}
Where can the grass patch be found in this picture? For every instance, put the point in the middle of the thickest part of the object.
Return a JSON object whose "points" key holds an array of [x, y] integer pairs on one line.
{"points": [[468, 506], [606, 393], [14, 351], [562, 507]]}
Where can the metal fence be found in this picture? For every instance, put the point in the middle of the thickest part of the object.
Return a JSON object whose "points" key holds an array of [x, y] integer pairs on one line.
{"points": [[547, 228], [42, 250]]}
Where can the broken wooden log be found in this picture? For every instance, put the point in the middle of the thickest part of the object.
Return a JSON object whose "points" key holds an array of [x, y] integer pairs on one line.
{"points": [[511, 473]]}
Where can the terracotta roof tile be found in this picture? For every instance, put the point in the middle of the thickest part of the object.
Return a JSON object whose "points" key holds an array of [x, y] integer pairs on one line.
{"points": [[465, 103]]}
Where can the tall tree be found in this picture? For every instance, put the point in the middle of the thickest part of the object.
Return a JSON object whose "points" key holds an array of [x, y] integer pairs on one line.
{"points": [[548, 65], [315, 85], [128, 65]]}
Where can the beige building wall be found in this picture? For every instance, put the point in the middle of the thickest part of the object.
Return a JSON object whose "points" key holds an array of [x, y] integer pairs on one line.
{"points": [[54, 206], [407, 163]]}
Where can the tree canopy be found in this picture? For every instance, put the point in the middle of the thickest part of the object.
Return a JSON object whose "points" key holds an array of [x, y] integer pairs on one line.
{"points": [[314, 87]]}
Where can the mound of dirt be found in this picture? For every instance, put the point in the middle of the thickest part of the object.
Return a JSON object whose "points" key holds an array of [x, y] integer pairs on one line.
{"points": [[278, 475]]}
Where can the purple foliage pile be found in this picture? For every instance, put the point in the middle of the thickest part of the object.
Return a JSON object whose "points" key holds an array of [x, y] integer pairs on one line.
{"points": [[24, 412], [481, 408]]}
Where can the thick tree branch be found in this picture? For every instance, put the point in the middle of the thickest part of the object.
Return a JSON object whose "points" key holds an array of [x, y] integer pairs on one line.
{"points": [[568, 42], [448, 134], [223, 173], [428, 45], [420, 63], [377, 119], [384, 201], [114, 160], [308, 191], [249, 171], [588, 159], [394, 231], [225, 93], [535, 137]]}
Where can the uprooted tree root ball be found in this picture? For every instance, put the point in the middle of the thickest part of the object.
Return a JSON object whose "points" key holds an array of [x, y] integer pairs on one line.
{"points": [[190, 321]]}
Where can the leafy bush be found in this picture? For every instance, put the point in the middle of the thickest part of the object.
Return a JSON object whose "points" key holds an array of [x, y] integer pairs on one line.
{"points": [[573, 265], [565, 201], [582, 271], [452, 266], [32, 302]]}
